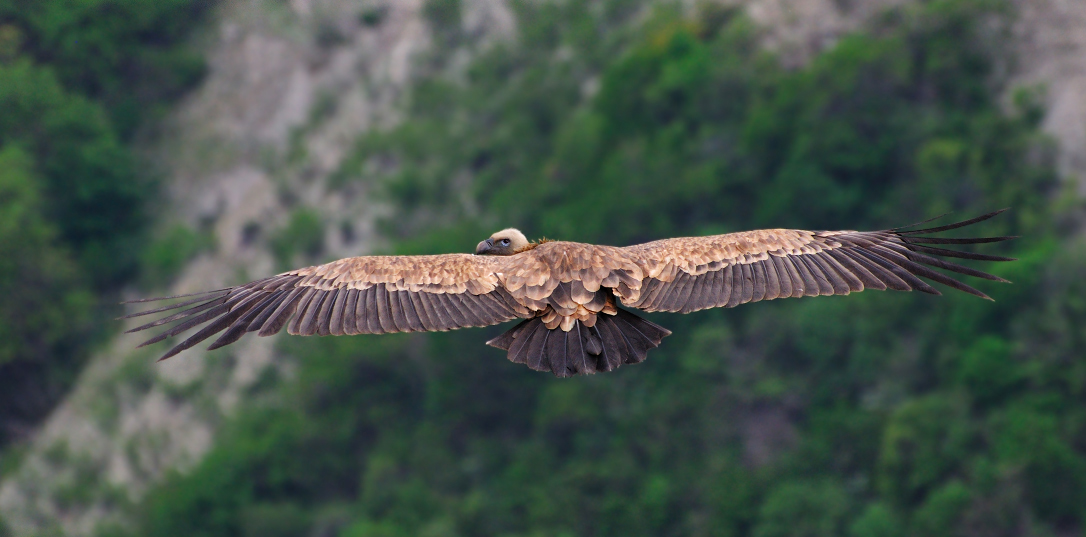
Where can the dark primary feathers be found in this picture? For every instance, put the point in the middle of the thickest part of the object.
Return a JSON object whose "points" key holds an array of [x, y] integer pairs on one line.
{"points": [[570, 293]]}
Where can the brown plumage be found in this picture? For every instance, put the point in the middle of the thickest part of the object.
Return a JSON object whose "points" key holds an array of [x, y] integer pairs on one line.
{"points": [[569, 294]]}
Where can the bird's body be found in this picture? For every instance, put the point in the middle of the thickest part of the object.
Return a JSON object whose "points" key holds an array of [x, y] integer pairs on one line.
{"points": [[571, 295]]}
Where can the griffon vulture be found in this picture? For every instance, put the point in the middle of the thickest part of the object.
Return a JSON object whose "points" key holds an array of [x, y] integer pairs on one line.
{"points": [[571, 295]]}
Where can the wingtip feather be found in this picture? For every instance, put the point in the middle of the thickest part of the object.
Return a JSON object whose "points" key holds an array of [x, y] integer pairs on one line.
{"points": [[167, 356], [151, 341], [947, 227], [158, 298]]}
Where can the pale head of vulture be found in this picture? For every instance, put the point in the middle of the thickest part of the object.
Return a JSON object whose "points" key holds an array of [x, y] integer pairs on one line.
{"points": [[505, 242]]}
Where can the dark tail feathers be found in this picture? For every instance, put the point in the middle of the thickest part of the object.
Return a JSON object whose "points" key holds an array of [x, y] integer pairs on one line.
{"points": [[614, 340]]}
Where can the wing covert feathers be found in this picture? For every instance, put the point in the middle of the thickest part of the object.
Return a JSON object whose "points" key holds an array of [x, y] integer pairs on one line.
{"points": [[360, 295], [693, 273]]}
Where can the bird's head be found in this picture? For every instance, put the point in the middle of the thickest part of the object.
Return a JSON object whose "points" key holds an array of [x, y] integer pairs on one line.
{"points": [[505, 242]]}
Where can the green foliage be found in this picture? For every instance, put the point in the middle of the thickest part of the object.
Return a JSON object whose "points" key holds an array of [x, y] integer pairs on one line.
{"points": [[924, 442], [940, 512], [803, 510], [373, 16], [876, 521], [127, 54], [95, 196], [883, 414], [46, 308], [28, 259]]}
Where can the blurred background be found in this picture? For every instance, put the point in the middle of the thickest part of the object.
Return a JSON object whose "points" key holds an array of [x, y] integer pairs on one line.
{"points": [[151, 148]]}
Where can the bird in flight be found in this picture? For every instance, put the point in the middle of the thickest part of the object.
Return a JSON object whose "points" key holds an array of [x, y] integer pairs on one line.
{"points": [[574, 298]]}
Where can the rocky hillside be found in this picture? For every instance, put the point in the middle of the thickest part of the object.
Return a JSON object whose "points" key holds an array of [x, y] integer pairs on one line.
{"points": [[1050, 38], [292, 88], [1049, 43]]}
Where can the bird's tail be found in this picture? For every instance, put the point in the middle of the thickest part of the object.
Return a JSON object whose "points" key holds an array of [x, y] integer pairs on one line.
{"points": [[614, 340]]}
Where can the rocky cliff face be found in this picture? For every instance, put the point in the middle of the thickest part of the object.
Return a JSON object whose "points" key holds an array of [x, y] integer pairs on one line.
{"points": [[292, 87], [1050, 40]]}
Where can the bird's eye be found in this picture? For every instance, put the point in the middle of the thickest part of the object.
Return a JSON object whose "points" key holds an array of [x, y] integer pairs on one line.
{"points": [[505, 242]]}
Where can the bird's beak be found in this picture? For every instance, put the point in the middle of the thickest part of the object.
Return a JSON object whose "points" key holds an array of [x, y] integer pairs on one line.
{"points": [[484, 247]]}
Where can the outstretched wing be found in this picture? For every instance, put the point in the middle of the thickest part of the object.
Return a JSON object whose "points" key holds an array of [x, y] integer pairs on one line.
{"points": [[357, 295], [694, 273]]}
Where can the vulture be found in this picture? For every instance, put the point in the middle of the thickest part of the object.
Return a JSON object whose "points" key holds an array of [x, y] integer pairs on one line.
{"points": [[574, 299]]}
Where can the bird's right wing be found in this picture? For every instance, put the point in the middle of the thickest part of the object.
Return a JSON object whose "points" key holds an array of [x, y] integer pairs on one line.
{"points": [[356, 295], [694, 273]]}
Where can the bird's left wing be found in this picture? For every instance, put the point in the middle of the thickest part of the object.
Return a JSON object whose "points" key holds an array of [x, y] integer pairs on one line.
{"points": [[694, 273], [356, 295]]}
